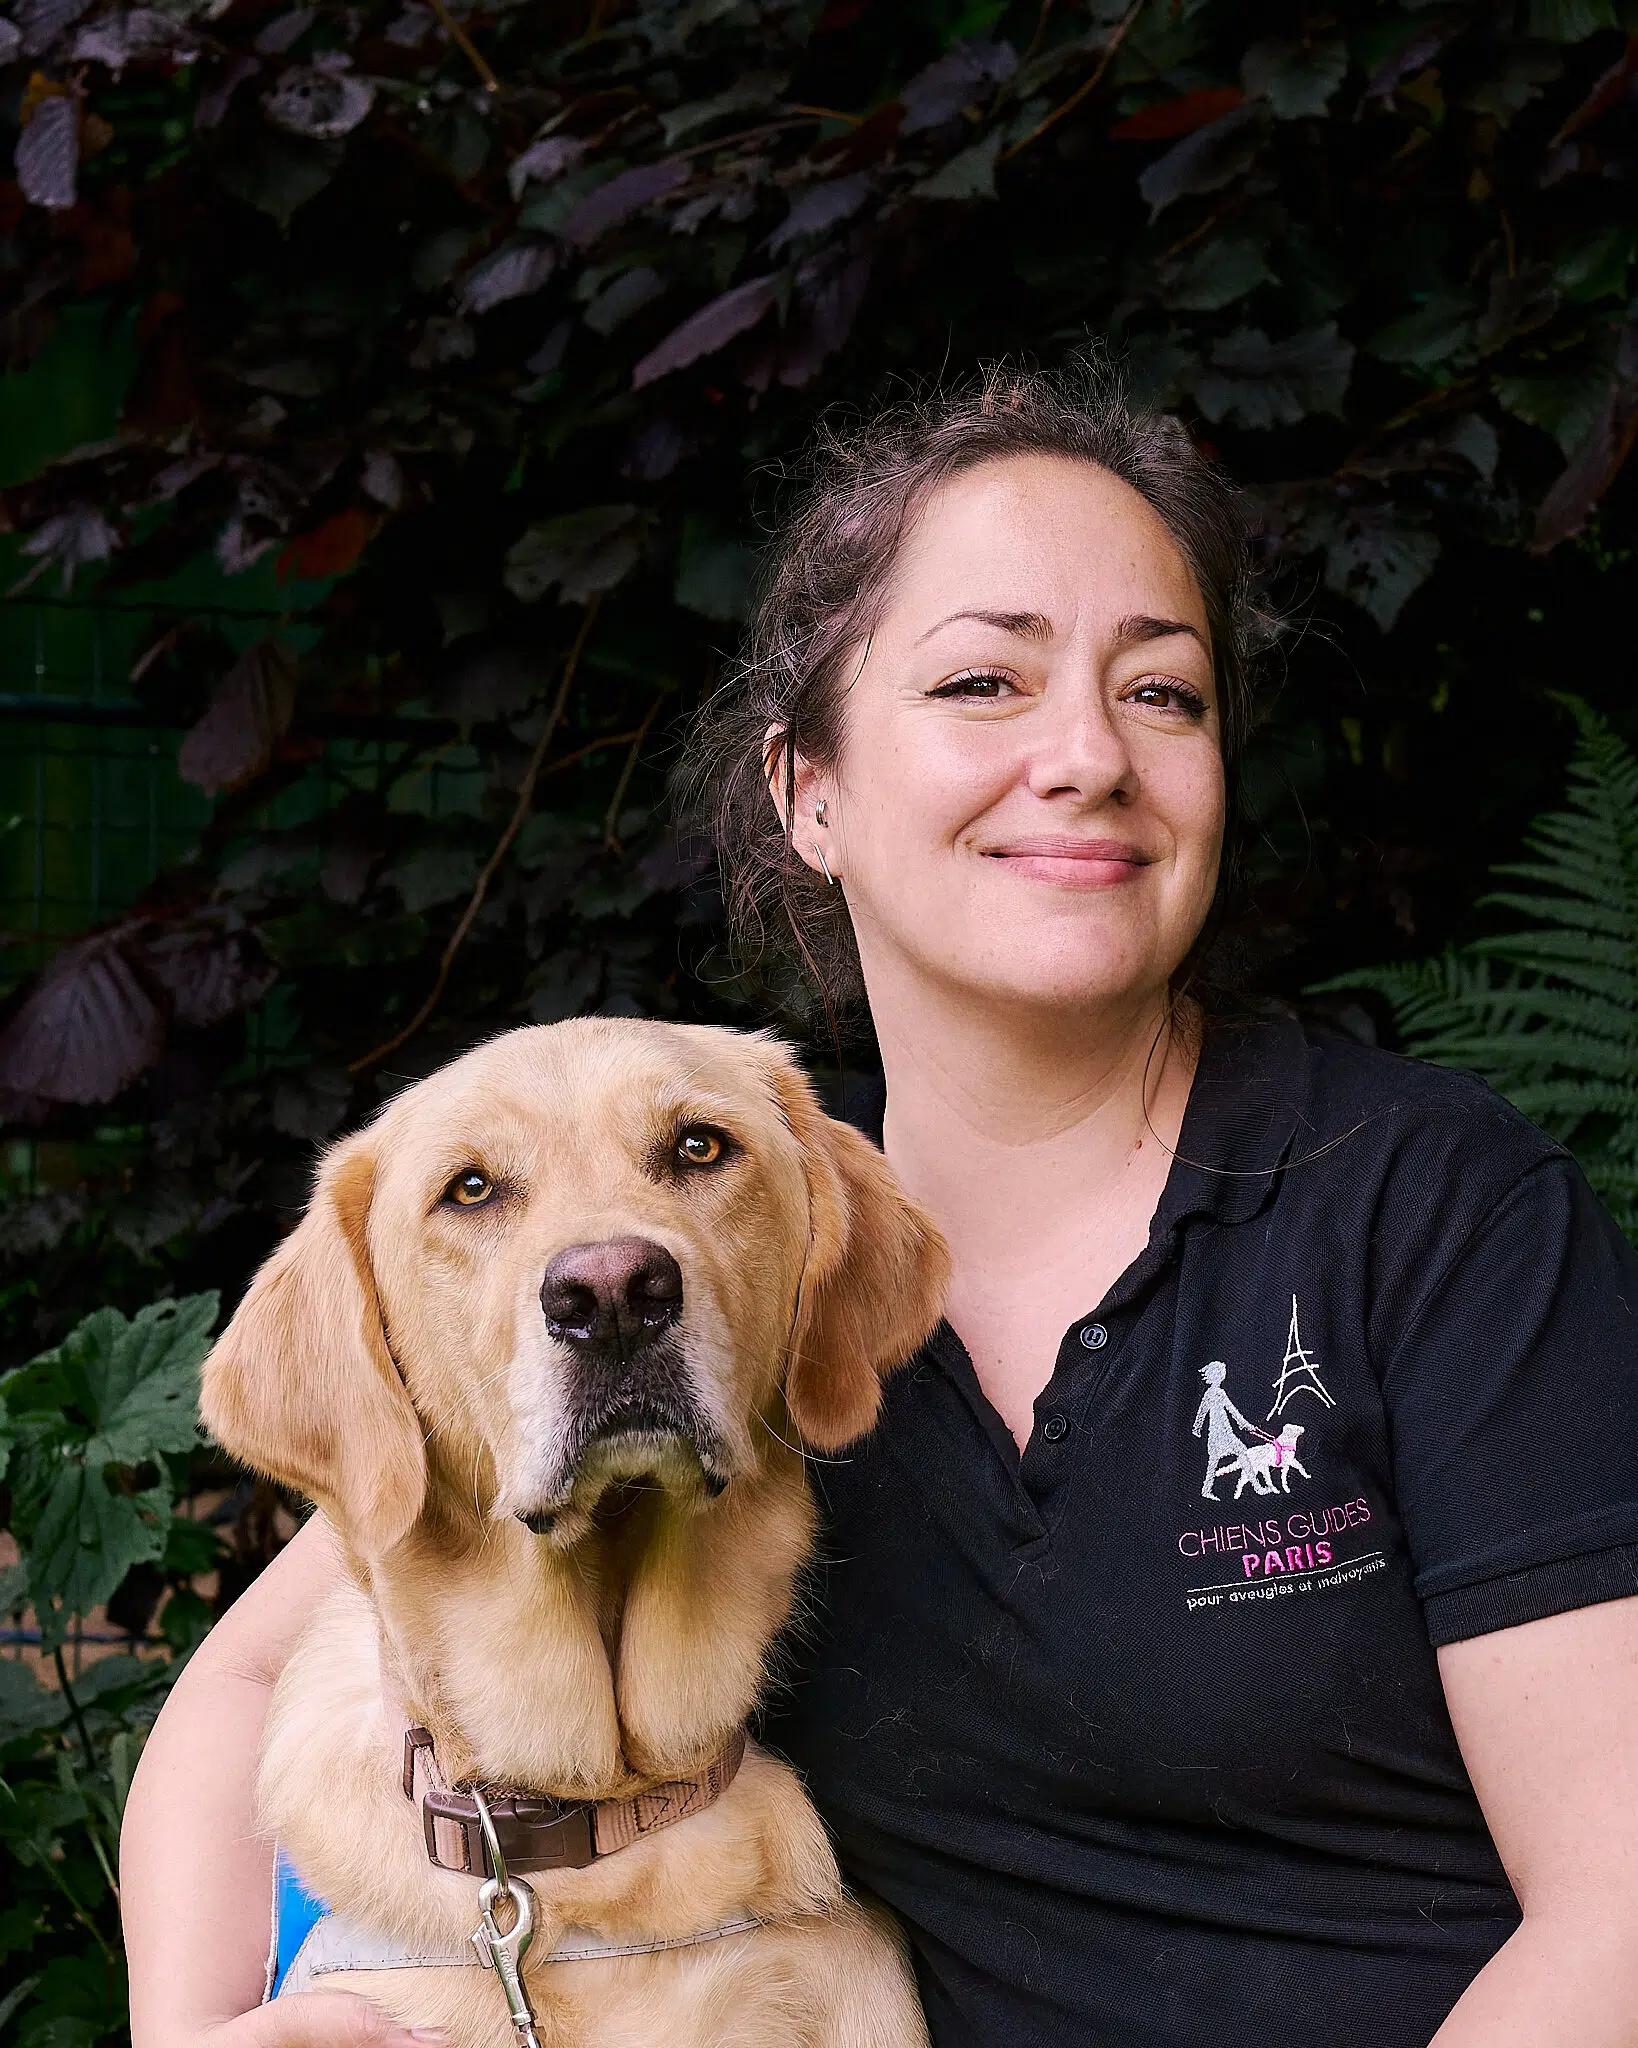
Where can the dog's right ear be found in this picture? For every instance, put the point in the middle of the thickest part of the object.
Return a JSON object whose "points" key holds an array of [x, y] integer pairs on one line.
{"points": [[301, 1385], [874, 1282]]}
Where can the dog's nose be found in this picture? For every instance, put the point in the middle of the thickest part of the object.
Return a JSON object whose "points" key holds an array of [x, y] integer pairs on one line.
{"points": [[619, 1295]]}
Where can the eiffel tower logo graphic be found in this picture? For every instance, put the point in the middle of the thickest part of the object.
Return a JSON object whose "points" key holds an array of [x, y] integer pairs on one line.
{"points": [[1298, 1372]]}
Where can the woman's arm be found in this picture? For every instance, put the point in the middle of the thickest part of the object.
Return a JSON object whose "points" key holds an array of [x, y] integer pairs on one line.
{"points": [[195, 1880], [1547, 1717]]}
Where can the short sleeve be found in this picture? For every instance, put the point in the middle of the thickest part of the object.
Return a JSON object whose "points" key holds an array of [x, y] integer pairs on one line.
{"points": [[1512, 1398]]}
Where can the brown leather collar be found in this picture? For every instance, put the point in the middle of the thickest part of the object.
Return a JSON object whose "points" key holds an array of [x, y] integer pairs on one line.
{"points": [[550, 1834]]}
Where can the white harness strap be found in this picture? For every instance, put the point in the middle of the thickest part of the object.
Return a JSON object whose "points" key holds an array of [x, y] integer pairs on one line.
{"points": [[337, 1943]]}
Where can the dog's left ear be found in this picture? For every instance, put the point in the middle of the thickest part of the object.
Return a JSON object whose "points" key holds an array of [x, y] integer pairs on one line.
{"points": [[874, 1283]]}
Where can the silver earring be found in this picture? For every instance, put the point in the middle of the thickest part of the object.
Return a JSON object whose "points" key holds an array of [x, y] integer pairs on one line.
{"points": [[825, 864], [819, 813]]}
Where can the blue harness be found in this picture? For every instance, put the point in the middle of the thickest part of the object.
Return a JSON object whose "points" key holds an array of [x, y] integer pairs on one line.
{"points": [[310, 1939], [295, 1914]]}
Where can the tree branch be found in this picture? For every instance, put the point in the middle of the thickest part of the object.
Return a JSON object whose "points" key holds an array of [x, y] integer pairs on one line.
{"points": [[610, 839], [514, 825], [1081, 91]]}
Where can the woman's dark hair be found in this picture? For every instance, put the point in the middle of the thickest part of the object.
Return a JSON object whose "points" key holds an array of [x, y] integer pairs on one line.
{"points": [[825, 582]]}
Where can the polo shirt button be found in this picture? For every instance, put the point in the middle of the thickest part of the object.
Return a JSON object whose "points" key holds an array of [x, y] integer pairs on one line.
{"points": [[1094, 1336], [1055, 1429]]}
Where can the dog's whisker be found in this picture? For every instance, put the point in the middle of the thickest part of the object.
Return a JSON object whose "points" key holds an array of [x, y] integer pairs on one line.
{"points": [[807, 1456]]}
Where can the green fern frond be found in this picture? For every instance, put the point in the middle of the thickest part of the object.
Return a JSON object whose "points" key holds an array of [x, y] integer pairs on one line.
{"points": [[1549, 1015], [1573, 1101], [1607, 979], [1597, 925]]}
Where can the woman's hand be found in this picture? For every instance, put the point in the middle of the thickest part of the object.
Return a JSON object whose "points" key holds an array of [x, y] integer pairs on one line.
{"points": [[318, 2019], [196, 1879]]}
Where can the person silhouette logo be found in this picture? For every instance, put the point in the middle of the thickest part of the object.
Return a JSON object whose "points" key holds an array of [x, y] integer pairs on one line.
{"points": [[1217, 1416]]}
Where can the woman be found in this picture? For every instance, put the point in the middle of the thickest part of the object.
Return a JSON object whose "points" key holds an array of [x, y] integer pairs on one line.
{"points": [[1229, 1636]]}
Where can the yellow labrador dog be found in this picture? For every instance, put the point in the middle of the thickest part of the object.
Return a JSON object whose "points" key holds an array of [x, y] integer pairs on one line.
{"points": [[543, 1350]]}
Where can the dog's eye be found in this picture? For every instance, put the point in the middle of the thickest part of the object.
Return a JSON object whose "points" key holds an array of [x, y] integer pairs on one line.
{"points": [[470, 1188], [699, 1145]]}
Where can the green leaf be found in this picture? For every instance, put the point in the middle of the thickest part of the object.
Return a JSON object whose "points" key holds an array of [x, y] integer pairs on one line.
{"points": [[278, 173], [1564, 407], [578, 554], [1256, 382], [756, 89], [1207, 160], [128, 1395], [434, 874], [26, 1706], [1521, 72], [191, 1547], [1597, 268], [137, 1381], [1297, 79], [1441, 328], [1379, 561], [186, 1620], [968, 175], [100, 1683], [86, 1539], [454, 783], [714, 576], [1570, 21], [1218, 273]]}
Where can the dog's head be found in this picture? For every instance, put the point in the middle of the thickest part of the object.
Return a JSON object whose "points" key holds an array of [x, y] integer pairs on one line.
{"points": [[584, 1254]]}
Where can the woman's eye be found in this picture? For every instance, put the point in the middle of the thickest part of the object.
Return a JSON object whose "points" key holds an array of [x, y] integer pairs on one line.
{"points": [[983, 685], [1166, 693], [699, 1145], [469, 1189]]}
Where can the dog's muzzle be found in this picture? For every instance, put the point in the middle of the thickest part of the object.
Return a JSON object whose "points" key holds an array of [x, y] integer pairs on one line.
{"points": [[616, 1307]]}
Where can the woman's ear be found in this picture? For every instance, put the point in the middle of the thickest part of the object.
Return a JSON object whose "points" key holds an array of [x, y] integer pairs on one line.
{"points": [[797, 789], [873, 1287], [301, 1385]]}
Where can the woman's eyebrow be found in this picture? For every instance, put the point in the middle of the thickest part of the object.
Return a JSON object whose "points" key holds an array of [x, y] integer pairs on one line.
{"points": [[1133, 630], [1025, 625], [1140, 627]]}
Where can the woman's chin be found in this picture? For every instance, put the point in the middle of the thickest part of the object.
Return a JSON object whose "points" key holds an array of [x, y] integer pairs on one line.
{"points": [[1045, 984], [1065, 958]]}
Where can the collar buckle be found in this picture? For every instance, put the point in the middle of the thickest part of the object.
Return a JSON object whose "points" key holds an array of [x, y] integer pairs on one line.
{"points": [[534, 1834]]}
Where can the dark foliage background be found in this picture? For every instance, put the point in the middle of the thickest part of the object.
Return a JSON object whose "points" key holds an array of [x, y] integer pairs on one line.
{"points": [[472, 340]]}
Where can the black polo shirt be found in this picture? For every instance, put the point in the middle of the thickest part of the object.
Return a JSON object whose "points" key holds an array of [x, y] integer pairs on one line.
{"points": [[1142, 1733]]}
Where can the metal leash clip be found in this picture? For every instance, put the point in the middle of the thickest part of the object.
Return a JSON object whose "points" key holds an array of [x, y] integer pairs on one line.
{"points": [[504, 1953]]}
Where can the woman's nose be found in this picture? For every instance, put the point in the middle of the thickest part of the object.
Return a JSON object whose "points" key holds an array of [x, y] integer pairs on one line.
{"points": [[1078, 749]]}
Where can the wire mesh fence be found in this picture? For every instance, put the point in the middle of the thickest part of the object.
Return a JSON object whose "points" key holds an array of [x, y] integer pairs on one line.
{"points": [[91, 804]]}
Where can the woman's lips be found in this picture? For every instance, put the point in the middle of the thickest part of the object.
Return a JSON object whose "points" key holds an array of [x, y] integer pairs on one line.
{"points": [[1072, 863]]}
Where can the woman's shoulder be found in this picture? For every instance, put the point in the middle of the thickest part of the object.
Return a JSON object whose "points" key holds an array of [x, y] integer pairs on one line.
{"points": [[1345, 1099]]}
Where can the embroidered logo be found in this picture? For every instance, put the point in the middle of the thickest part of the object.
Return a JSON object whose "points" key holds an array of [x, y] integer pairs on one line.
{"points": [[1280, 1556], [1298, 1372], [1264, 1460]]}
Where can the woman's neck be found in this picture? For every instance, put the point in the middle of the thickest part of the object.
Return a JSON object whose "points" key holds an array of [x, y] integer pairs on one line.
{"points": [[971, 1085], [1041, 1148]]}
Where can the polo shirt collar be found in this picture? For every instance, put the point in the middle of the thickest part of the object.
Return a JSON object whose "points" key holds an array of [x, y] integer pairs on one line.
{"points": [[1248, 1109]]}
